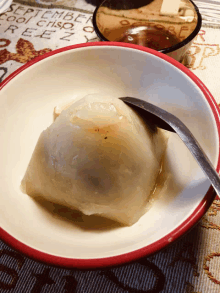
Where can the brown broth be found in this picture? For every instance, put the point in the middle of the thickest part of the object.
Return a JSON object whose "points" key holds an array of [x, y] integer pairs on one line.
{"points": [[146, 36]]}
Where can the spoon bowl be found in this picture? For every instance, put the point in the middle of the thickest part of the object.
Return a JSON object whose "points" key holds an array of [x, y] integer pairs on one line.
{"points": [[170, 122]]}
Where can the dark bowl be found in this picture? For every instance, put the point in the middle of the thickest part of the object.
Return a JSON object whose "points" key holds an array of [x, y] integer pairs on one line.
{"points": [[140, 23]]}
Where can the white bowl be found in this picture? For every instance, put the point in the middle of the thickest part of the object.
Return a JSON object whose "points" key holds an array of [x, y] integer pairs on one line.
{"points": [[27, 99], [4, 5]]}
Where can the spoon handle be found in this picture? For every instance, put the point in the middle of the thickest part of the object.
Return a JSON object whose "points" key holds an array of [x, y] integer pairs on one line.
{"points": [[186, 136], [198, 153]]}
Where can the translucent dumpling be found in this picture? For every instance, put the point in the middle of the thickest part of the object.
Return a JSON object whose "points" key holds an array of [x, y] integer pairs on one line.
{"points": [[98, 157]]}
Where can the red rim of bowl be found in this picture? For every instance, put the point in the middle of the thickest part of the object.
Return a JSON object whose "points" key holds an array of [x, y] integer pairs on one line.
{"points": [[157, 245]]}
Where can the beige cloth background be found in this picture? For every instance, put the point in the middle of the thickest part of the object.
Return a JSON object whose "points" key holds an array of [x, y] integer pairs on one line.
{"points": [[204, 60]]}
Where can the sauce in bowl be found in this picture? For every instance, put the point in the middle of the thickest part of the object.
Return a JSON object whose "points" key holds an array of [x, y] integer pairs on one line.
{"points": [[145, 35]]}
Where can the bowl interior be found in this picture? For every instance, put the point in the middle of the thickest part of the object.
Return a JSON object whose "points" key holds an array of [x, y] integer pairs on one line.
{"points": [[27, 103]]}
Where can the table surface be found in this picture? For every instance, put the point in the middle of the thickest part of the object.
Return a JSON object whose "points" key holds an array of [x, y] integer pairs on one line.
{"points": [[32, 27]]}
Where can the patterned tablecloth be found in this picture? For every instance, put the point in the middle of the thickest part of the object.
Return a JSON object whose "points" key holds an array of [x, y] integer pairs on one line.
{"points": [[33, 27]]}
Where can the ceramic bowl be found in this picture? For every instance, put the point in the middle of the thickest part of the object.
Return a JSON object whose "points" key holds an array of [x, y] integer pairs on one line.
{"points": [[140, 22], [27, 99]]}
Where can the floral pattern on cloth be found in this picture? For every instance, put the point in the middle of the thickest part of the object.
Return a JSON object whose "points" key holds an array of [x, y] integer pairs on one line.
{"points": [[27, 32], [24, 52]]}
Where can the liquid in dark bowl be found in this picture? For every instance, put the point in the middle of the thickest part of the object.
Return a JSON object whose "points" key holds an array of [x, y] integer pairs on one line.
{"points": [[146, 36]]}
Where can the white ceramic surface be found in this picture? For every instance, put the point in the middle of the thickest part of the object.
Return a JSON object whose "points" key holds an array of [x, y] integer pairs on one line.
{"points": [[27, 102], [4, 5]]}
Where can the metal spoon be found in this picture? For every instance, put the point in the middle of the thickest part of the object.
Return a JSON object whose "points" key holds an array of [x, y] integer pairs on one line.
{"points": [[168, 121]]}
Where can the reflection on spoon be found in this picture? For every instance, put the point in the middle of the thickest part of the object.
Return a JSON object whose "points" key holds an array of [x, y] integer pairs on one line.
{"points": [[170, 122]]}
